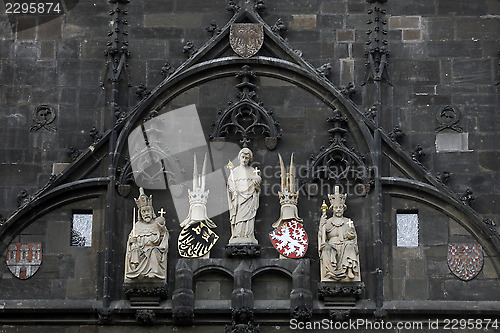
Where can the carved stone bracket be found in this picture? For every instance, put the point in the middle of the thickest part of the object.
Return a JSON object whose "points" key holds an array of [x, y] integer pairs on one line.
{"points": [[345, 293], [243, 250], [43, 116], [145, 294], [247, 118], [145, 317], [337, 162]]}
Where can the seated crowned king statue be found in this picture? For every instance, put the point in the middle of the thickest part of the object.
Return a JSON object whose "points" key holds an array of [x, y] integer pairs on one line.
{"points": [[147, 244], [338, 243]]}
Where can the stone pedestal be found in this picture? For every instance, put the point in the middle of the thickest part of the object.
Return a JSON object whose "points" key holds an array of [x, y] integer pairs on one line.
{"points": [[340, 293], [249, 250], [145, 294]]}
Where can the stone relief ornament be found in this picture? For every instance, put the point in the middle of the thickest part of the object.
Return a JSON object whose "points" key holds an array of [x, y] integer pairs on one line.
{"points": [[289, 237], [465, 260], [243, 189], [43, 116], [246, 39], [24, 259], [147, 244], [338, 243], [196, 239]]}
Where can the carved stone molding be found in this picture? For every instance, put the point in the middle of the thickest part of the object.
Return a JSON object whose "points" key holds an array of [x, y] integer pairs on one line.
{"points": [[44, 115], [345, 293], [146, 294], [243, 250], [247, 118]]}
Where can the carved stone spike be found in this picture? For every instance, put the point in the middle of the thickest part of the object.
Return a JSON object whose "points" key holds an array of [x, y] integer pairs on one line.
{"points": [[73, 153], [397, 134], [189, 49], [468, 197], [279, 27], [417, 153], [95, 135], [213, 28], [324, 70]]}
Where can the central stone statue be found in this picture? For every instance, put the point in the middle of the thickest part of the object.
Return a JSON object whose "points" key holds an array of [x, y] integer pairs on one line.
{"points": [[243, 189], [338, 243]]}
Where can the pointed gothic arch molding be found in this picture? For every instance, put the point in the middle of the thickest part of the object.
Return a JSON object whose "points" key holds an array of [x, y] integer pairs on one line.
{"points": [[262, 66], [453, 208], [46, 202]]}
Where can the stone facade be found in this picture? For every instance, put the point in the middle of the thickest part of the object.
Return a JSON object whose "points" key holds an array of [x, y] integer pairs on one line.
{"points": [[441, 55]]}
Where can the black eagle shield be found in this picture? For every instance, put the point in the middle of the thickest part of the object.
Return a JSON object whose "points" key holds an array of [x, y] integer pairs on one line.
{"points": [[196, 240]]}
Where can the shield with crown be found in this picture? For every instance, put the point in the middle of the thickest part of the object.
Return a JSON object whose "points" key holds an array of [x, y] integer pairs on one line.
{"points": [[246, 39]]}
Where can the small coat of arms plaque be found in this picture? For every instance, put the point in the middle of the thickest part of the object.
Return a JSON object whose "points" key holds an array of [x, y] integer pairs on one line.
{"points": [[246, 39], [290, 240], [465, 260], [24, 259], [196, 240]]}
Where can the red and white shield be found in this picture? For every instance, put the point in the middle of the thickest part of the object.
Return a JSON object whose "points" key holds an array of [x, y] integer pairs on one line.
{"points": [[24, 259], [290, 240], [465, 260], [246, 39]]}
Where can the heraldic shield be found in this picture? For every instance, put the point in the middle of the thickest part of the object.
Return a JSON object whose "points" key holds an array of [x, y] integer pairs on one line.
{"points": [[196, 240], [246, 39], [24, 259], [290, 240], [465, 260]]}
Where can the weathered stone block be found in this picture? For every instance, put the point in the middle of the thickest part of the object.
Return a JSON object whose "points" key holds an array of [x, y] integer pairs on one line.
{"points": [[449, 142], [345, 36], [404, 22], [411, 35], [303, 21], [172, 20]]}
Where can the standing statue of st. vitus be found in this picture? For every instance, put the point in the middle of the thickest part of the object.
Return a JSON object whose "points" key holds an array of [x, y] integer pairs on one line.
{"points": [[338, 243], [243, 189], [147, 244]]}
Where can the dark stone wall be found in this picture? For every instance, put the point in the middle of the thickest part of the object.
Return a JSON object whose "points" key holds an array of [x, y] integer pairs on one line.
{"points": [[441, 53]]}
